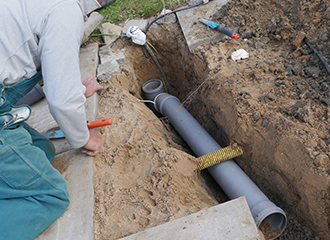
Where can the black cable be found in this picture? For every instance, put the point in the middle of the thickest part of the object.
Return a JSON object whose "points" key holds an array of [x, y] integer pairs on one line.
{"points": [[159, 67], [145, 46], [320, 56], [175, 11], [161, 16]]}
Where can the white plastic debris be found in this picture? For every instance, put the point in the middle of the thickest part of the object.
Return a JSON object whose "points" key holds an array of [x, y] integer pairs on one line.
{"points": [[137, 35], [239, 54]]}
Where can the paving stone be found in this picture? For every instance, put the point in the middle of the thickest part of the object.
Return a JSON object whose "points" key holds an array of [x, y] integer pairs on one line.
{"points": [[77, 220], [195, 32], [112, 29], [89, 61], [229, 220], [105, 70], [106, 55], [93, 21]]}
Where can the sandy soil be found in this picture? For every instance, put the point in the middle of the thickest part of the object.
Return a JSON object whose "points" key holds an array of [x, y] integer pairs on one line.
{"points": [[275, 104]]}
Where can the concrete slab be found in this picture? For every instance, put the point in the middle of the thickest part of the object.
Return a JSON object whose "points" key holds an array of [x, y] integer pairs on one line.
{"points": [[75, 167], [112, 29], [107, 55], [93, 21], [195, 32], [105, 70], [89, 60], [77, 221], [230, 220]]}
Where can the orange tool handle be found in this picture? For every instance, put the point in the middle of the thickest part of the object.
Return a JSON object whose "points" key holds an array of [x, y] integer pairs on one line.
{"points": [[99, 123]]}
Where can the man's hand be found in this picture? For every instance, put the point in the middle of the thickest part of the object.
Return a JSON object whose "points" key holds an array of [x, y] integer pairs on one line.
{"points": [[92, 147], [91, 88]]}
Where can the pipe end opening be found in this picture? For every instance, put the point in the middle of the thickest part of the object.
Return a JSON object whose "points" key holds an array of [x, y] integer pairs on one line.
{"points": [[273, 225], [152, 88]]}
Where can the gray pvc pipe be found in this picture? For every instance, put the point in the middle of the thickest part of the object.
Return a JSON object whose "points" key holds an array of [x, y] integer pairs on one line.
{"points": [[228, 174], [151, 89]]}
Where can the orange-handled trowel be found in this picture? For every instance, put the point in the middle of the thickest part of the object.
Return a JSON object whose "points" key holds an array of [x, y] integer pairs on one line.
{"points": [[56, 132]]}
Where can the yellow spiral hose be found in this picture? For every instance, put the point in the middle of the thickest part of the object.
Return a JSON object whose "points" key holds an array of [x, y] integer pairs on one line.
{"points": [[219, 156]]}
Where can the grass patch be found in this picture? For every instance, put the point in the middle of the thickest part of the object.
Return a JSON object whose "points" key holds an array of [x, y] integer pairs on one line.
{"points": [[122, 10]]}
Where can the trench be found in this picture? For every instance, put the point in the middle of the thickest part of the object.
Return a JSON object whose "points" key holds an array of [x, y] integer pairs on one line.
{"points": [[193, 87], [186, 74], [278, 163], [192, 83]]}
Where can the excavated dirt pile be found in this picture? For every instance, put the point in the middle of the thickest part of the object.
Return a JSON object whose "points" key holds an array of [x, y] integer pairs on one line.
{"points": [[275, 104]]}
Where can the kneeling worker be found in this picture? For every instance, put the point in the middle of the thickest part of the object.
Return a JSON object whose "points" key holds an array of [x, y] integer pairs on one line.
{"points": [[40, 39]]}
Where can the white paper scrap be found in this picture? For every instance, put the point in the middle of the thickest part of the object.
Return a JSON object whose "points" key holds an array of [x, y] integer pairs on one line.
{"points": [[239, 54]]}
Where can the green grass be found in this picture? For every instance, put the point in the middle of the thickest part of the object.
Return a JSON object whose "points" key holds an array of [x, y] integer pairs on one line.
{"points": [[122, 10]]}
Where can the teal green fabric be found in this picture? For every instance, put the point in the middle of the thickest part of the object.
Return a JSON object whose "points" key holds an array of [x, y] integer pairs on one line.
{"points": [[33, 194], [41, 142], [14, 93]]}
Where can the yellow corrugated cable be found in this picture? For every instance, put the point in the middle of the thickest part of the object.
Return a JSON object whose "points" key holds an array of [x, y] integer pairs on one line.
{"points": [[219, 156]]}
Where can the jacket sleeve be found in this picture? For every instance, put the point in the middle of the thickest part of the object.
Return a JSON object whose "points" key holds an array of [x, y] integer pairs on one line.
{"points": [[59, 45]]}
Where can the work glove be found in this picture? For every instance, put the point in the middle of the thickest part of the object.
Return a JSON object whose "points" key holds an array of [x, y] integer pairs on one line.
{"points": [[107, 2]]}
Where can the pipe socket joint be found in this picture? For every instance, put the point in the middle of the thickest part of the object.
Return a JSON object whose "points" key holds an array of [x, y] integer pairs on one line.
{"points": [[152, 88]]}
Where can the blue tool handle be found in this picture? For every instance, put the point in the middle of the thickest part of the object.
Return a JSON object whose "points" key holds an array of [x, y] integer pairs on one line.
{"points": [[227, 32]]}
